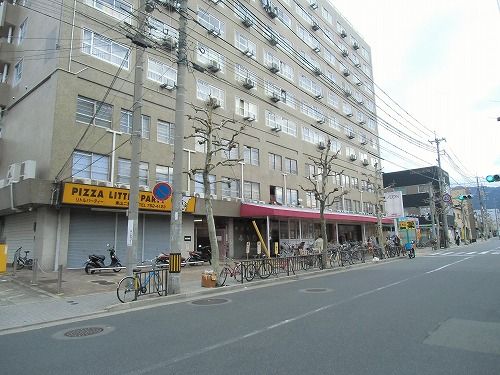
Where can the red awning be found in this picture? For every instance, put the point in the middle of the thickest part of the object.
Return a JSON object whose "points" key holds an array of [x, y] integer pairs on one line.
{"points": [[263, 210]]}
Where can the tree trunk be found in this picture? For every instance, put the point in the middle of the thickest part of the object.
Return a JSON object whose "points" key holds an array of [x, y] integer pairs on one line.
{"points": [[323, 231], [212, 235]]}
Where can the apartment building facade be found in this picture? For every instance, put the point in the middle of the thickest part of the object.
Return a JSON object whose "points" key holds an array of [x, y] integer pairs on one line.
{"points": [[294, 72]]}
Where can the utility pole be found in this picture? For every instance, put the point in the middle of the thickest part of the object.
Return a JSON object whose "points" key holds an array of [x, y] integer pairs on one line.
{"points": [[176, 231], [133, 209], [441, 190], [378, 210], [434, 233], [481, 206]]}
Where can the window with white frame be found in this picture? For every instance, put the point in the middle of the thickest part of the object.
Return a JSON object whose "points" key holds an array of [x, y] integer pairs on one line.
{"points": [[159, 30], [204, 90], [251, 155], [334, 123], [231, 150], [291, 166], [331, 75], [22, 31], [310, 171], [230, 187], [375, 162], [286, 71], [333, 99], [245, 108], [310, 61], [365, 54], [284, 18], [90, 165], [302, 13], [126, 121], [251, 190], [360, 116], [164, 174], [311, 200], [123, 174], [210, 22], [105, 49], [206, 55], [355, 59], [241, 73], [366, 69], [271, 88], [311, 110], [287, 126], [347, 204], [355, 182], [370, 105], [340, 28], [330, 57], [198, 183], [276, 194], [292, 197], [363, 156], [371, 124], [308, 84], [312, 136], [242, 12], [18, 72], [327, 15], [270, 59], [308, 38], [245, 45], [165, 132], [146, 127], [118, 9], [336, 146], [93, 112], [346, 108], [161, 72], [275, 162]]}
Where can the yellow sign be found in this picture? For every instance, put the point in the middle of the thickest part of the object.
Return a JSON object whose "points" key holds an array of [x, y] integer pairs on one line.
{"points": [[402, 225], [101, 196], [410, 224]]}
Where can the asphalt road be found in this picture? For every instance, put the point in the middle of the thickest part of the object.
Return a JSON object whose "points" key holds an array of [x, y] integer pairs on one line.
{"points": [[436, 314]]}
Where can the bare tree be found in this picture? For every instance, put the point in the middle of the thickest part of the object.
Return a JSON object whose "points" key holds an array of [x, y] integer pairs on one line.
{"points": [[318, 186], [208, 133]]}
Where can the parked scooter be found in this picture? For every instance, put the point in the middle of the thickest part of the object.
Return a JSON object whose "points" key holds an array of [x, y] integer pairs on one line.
{"points": [[200, 256], [164, 259], [97, 261], [411, 249]]}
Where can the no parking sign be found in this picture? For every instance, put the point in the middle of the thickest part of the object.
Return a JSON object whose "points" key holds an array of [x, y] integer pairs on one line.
{"points": [[162, 191]]}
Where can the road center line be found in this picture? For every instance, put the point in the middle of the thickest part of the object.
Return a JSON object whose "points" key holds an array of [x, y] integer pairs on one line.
{"points": [[447, 265]]}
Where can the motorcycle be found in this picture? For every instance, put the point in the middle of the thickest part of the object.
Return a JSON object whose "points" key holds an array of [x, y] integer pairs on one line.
{"points": [[97, 261], [164, 259], [200, 256]]}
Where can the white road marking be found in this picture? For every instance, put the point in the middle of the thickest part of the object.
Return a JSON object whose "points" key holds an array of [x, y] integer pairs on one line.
{"points": [[496, 253], [206, 349], [447, 265], [448, 253], [472, 252], [484, 252]]}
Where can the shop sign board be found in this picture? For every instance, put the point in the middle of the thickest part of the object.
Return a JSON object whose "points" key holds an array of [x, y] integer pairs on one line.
{"points": [[101, 196]]}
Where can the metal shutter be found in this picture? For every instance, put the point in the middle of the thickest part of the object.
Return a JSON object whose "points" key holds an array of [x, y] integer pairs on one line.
{"points": [[20, 231], [89, 232], [156, 235]]}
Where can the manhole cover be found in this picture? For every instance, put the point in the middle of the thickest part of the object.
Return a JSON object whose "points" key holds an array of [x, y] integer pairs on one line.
{"points": [[316, 290], [210, 301], [82, 332]]}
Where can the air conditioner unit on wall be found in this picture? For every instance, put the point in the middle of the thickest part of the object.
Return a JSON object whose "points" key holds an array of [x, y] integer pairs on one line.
{"points": [[248, 83], [275, 97], [213, 66], [213, 103], [247, 21], [274, 67]]}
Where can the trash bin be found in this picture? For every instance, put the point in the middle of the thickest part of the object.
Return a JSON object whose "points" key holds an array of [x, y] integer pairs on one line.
{"points": [[3, 258]]}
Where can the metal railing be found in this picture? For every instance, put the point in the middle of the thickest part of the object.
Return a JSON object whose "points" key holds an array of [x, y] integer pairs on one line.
{"points": [[152, 281]]}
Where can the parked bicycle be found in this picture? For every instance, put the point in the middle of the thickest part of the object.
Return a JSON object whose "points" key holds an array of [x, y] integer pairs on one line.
{"points": [[237, 271], [143, 282], [261, 267], [20, 261]]}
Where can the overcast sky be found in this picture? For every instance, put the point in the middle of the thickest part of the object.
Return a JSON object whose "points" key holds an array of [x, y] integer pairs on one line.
{"points": [[440, 60]]}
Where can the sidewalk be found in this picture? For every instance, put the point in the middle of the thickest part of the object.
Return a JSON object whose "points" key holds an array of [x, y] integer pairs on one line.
{"points": [[23, 303]]}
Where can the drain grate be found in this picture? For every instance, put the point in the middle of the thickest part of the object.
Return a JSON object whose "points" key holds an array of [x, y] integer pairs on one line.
{"points": [[210, 301], [83, 332]]}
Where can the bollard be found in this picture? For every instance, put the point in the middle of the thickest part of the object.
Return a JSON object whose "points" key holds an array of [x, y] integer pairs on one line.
{"points": [[34, 280], [14, 266], [59, 279]]}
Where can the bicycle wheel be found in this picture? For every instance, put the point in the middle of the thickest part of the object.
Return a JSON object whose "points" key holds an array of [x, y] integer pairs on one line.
{"points": [[20, 264], [250, 272], [265, 269], [222, 276], [127, 291], [158, 283], [306, 263]]}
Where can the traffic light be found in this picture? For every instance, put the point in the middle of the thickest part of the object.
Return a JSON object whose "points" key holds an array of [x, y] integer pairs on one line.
{"points": [[493, 178], [464, 197]]}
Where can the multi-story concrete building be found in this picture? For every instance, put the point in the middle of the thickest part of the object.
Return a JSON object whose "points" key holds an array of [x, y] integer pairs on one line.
{"points": [[415, 186], [465, 223], [295, 72]]}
